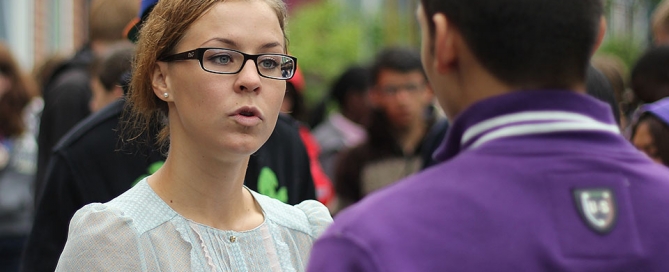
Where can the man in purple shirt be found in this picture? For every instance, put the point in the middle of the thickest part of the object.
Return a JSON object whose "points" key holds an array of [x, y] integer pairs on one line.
{"points": [[533, 176]]}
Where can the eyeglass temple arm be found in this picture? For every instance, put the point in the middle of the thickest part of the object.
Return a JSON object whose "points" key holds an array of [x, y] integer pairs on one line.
{"points": [[193, 54]]}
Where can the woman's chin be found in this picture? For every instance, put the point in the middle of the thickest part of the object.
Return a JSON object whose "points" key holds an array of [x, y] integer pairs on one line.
{"points": [[244, 148]]}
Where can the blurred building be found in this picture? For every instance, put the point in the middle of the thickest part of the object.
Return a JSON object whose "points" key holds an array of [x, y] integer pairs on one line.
{"points": [[630, 18], [34, 29]]}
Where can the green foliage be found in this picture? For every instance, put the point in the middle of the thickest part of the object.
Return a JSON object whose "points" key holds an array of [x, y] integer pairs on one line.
{"points": [[327, 37], [325, 40], [627, 49]]}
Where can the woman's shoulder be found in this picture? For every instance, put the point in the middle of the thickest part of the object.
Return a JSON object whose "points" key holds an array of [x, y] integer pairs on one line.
{"points": [[310, 217], [99, 218], [139, 208], [101, 234]]}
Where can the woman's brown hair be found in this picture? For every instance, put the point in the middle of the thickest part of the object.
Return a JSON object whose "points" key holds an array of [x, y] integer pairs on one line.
{"points": [[15, 99]]}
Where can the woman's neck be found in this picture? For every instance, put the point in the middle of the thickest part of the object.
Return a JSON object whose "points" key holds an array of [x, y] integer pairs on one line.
{"points": [[206, 190]]}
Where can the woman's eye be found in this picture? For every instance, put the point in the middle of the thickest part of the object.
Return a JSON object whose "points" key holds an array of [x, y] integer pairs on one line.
{"points": [[268, 64], [220, 59]]}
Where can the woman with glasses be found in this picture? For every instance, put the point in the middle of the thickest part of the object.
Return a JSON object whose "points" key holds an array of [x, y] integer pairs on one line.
{"points": [[214, 77]]}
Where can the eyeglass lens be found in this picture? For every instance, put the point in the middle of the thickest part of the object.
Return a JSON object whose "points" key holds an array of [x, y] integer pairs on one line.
{"points": [[227, 61]]}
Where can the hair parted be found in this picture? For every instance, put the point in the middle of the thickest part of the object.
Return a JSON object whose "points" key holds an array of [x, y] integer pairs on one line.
{"points": [[526, 43], [159, 35]]}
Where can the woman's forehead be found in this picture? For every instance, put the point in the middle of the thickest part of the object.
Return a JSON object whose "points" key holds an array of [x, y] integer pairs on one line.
{"points": [[236, 24]]}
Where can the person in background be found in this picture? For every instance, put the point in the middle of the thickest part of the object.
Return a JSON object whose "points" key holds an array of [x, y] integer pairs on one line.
{"points": [[649, 77], [107, 72], [534, 174], [67, 93], [401, 97], [650, 133], [212, 79], [18, 159], [660, 23], [43, 71], [598, 86], [293, 102], [615, 70], [649, 82], [291, 108], [345, 128]]}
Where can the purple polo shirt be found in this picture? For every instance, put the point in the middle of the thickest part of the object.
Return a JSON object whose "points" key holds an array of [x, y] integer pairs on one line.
{"points": [[528, 181]]}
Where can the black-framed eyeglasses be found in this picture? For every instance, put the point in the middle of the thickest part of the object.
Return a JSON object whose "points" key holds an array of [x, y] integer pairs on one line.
{"points": [[229, 61]]}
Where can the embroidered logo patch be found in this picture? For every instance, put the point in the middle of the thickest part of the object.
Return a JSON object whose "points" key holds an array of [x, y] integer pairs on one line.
{"points": [[597, 208]]}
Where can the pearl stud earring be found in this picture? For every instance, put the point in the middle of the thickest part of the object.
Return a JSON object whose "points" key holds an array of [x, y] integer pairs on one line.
{"points": [[166, 95]]}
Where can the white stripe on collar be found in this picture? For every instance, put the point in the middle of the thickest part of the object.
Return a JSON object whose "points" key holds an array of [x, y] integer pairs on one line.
{"points": [[558, 121]]}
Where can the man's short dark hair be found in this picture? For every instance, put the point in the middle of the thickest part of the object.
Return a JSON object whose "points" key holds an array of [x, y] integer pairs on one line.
{"points": [[113, 65], [526, 43], [650, 75], [403, 60]]}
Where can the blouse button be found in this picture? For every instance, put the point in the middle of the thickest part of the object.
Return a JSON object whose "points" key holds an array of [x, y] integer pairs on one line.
{"points": [[233, 239]]}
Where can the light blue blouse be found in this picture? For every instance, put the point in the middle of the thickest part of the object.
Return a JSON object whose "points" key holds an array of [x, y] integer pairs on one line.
{"points": [[138, 231]]}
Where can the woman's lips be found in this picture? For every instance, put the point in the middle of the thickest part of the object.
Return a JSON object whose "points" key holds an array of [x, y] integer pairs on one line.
{"points": [[247, 116]]}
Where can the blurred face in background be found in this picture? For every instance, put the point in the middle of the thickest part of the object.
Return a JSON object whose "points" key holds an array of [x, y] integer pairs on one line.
{"points": [[402, 96], [357, 107], [643, 140]]}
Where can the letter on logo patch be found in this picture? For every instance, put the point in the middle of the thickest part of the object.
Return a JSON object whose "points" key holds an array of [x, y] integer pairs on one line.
{"points": [[597, 208]]}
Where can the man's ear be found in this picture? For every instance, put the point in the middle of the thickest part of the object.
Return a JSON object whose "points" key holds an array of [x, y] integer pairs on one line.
{"points": [[600, 35], [159, 82], [444, 44]]}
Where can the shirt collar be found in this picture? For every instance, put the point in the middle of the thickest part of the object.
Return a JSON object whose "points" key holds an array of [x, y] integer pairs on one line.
{"points": [[523, 113]]}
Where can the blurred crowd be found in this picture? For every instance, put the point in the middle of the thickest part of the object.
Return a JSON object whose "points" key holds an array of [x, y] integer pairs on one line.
{"points": [[378, 123]]}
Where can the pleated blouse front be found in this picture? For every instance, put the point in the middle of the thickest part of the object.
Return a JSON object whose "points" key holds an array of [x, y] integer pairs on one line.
{"points": [[138, 231]]}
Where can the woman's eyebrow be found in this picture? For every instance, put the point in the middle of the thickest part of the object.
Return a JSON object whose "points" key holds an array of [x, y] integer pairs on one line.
{"points": [[234, 45], [270, 45], [229, 42]]}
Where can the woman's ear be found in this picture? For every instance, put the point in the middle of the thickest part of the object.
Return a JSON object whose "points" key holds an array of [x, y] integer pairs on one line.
{"points": [[159, 82]]}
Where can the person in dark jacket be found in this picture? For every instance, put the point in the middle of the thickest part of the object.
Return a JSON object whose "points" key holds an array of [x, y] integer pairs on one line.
{"points": [[67, 93]]}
